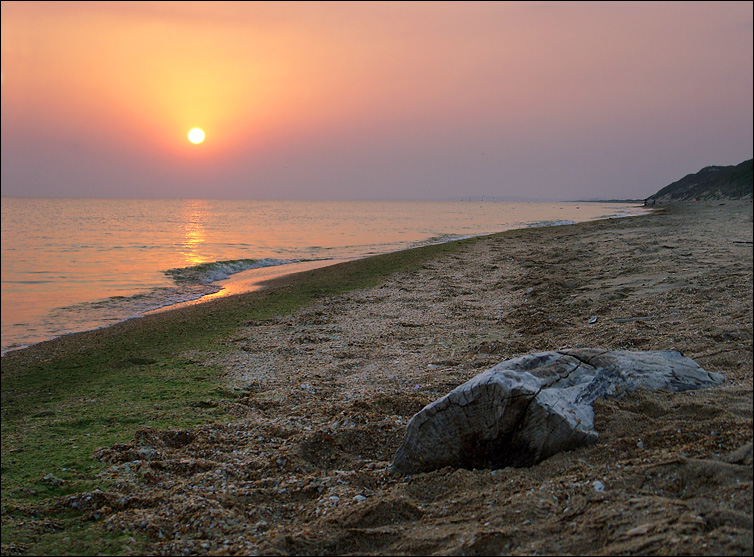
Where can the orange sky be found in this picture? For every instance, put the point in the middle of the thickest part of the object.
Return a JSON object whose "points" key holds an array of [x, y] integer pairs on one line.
{"points": [[371, 100]]}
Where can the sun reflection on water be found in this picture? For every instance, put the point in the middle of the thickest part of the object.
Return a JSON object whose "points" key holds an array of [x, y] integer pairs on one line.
{"points": [[195, 215]]}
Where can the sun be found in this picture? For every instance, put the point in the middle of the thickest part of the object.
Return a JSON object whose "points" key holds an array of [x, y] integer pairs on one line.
{"points": [[196, 136]]}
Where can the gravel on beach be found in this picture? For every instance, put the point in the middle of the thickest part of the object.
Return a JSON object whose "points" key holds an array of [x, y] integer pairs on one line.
{"points": [[323, 396]]}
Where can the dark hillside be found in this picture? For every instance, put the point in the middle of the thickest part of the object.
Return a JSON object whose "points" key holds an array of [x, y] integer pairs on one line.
{"points": [[711, 182]]}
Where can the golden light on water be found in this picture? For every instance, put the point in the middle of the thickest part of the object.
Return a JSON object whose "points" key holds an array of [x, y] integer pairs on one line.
{"points": [[196, 136], [194, 233]]}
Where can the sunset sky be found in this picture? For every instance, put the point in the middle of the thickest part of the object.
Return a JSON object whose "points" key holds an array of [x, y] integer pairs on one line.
{"points": [[362, 100]]}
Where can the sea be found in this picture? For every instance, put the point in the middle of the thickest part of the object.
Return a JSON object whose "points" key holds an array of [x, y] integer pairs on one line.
{"points": [[71, 264]]}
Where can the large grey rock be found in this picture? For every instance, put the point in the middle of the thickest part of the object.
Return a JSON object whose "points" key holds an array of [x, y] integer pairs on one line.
{"points": [[526, 409]]}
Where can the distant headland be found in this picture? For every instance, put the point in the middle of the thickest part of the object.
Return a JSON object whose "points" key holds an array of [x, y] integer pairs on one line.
{"points": [[710, 183]]}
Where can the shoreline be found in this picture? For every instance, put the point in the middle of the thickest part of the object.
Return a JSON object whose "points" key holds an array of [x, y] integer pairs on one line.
{"points": [[254, 279], [316, 399], [250, 281]]}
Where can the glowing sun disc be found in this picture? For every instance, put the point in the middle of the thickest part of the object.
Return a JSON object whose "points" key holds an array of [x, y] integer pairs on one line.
{"points": [[196, 136]]}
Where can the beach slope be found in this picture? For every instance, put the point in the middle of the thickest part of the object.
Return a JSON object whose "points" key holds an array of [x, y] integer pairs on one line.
{"points": [[316, 403]]}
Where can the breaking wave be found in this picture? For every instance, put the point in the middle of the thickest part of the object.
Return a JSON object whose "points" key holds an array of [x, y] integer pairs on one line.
{"points": [[207, 273], [191, 283], [543, 223], [442, 239]]}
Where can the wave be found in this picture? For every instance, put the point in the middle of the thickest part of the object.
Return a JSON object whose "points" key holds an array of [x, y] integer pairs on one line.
{"points": [[191, 283], [207, 273], [442, 239], [542, 223]]}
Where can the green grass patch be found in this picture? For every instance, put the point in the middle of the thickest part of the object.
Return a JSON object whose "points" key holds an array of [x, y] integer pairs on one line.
{"points": [[63, 399]]}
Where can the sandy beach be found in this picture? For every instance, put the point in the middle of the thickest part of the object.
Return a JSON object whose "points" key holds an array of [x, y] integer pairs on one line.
{"points": [[321, 399]]}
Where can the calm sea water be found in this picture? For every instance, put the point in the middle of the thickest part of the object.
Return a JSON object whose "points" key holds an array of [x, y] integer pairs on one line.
{"points": [[71, 265]]}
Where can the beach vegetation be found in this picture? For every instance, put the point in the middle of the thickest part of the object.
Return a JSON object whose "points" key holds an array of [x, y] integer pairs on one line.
{"points": [[64, 399]]}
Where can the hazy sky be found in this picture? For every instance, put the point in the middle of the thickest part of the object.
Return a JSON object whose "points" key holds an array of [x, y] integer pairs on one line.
{"points": [[361, 100]]}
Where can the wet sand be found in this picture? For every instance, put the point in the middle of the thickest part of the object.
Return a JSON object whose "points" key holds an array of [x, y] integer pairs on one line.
{"points": [[325, 395]]}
